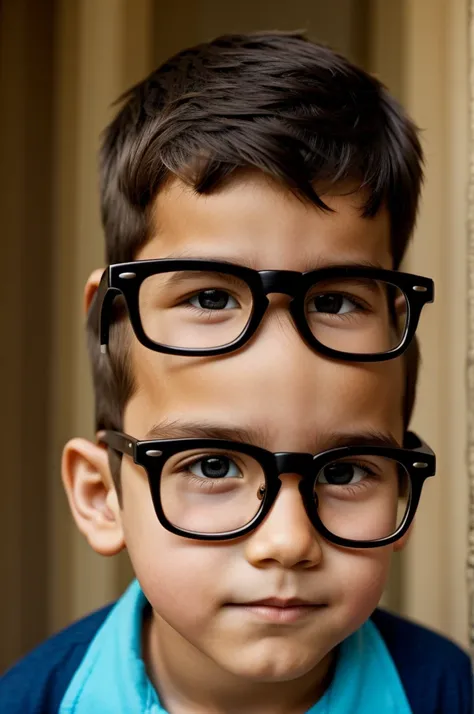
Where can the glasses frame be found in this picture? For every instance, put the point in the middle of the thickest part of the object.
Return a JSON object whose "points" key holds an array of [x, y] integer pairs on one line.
{"points": [[417, 458], [126, 278]]}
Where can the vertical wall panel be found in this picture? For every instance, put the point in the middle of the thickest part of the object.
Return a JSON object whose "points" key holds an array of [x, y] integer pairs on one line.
{"points": [[26, 32]]}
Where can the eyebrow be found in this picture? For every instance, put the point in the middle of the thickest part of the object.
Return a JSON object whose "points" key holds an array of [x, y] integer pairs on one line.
{"points": [[369, 438], [370, 285], [259, 437], [167, 429], [310, 264]]}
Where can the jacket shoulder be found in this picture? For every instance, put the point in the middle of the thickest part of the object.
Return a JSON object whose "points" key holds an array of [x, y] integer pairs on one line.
{"points": [[436, 674], [38, 682]]}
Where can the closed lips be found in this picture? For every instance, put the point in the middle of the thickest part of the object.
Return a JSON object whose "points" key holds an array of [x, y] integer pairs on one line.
{"points": [[277, 611], [277, 602]]}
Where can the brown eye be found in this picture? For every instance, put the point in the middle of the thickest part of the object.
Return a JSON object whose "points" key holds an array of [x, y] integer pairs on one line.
{"points": [[331, 303], [341, 474], [215, 467], [213, 299]]}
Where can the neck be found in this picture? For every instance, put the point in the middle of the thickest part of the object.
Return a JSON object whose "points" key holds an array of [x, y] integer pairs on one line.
{"points": [[190, 682]]}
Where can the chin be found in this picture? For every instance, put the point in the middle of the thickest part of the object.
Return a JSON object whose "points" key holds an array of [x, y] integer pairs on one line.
{"points": [[273, 662]]}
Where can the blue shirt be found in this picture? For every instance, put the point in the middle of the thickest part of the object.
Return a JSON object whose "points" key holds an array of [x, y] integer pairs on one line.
{"points": [[389, 666]]}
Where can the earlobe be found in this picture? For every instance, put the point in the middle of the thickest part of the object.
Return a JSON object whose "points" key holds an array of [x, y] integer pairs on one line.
{"points": [[92, 496], [90, 288]]}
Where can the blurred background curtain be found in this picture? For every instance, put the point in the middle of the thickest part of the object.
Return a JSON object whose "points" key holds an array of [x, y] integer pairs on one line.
{"points": [[62, 64], [470, 329]]}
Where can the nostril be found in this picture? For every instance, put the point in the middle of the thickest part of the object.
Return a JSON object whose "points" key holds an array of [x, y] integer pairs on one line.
{"points": [[305, 564]]}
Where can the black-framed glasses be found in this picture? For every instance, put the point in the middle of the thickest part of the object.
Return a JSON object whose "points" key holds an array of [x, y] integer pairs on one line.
{"points": [[201, 307], [212, 489]]}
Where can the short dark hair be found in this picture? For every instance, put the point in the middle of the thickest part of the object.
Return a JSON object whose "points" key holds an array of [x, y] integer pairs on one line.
{"points": [[276, 102]]}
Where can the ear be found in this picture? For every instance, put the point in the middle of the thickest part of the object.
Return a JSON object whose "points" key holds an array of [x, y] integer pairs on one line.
{"points": [[92, 496], [90, 288], [400, 544]]}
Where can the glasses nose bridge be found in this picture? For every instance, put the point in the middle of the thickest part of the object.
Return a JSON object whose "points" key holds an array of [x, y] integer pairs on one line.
{"points": [[288, 462], [280, 281]]}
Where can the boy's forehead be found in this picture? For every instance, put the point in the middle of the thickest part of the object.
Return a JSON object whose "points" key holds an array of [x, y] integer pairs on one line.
{"points": [[254, 220], [287, 406]]}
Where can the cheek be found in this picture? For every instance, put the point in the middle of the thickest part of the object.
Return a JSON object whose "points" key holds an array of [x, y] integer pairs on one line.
{"points": [[173, 571], [359, 578]]}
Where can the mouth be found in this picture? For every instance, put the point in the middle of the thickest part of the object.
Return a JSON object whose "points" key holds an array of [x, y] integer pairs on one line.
{"points": [[279, 611]]}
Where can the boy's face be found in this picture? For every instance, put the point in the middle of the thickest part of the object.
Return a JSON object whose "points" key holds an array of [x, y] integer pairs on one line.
{"points": [[285, 398], [199, 589]]}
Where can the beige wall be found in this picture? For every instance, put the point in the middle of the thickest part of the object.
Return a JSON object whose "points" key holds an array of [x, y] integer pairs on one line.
{"points": [[337, 23], [430, 74], [26, 143], [419, 47]]}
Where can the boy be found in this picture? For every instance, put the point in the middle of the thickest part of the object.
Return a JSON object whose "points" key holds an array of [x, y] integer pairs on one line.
{"points": [[251, 425]]}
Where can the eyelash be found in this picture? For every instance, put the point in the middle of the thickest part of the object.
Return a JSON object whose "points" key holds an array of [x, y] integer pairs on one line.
{"points": [[353, 488], [192, 460], [358, 302]]}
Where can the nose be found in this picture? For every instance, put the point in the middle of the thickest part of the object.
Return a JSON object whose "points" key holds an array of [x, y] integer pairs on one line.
{"points": [[286, 538]]}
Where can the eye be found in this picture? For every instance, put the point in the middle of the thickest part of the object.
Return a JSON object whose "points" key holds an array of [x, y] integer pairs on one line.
{"points": [[342, 474], [332, 303], [215, 467], [213, 299]]}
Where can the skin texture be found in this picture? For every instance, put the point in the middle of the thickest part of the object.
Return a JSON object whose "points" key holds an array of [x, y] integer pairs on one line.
{"points": [[204, 651]]}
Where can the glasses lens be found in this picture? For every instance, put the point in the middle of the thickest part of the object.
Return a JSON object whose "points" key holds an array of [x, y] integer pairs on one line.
{"points": [[211, 491], [357, 315], [194, 309], [363, 498]]}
